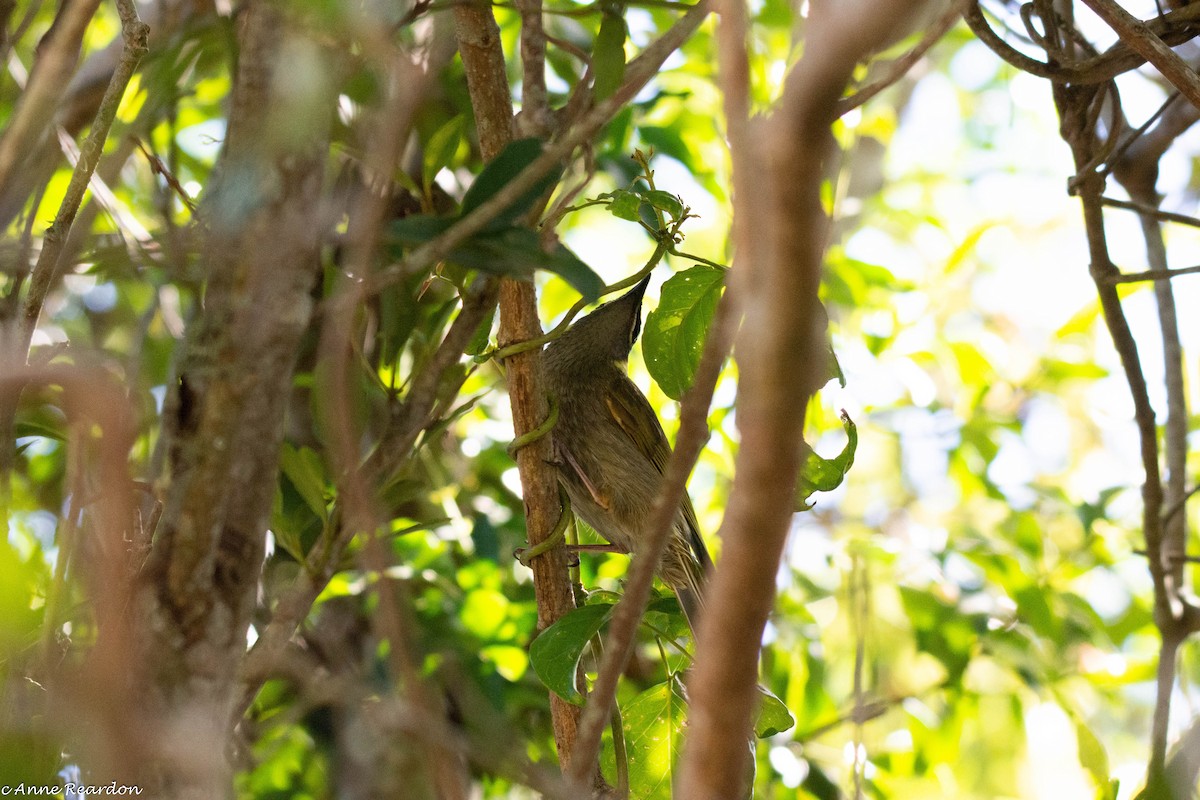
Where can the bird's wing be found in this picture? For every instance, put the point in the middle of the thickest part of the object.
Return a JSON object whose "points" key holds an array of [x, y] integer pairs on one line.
{"points": [[567, 460], [632, 412], [628, 407]]}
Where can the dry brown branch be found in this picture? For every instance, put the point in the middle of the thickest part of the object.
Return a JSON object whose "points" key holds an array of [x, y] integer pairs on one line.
{"points": [[1143, 41], [1172, 28], [1077, 126], [1151, 210], [898, 68], [780, 361], [1175, 439], [479, 44], [1150, 275], [57, 55]]}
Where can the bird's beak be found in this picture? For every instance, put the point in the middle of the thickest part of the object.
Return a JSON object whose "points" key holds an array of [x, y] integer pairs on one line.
{"points": [[638, 291]]}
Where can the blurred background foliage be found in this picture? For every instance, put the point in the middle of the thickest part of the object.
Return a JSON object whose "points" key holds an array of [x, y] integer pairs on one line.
{"points": [[966, 616]]}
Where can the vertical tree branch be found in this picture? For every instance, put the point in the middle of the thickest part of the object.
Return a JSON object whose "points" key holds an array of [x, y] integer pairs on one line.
{"points": [[198, 589], [535, 106], [479, 45], [1138, 173], [1170, 613], [779, 357]]}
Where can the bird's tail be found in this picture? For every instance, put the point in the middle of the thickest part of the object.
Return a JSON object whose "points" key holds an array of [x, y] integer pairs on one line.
{"points": [[685, 569]]}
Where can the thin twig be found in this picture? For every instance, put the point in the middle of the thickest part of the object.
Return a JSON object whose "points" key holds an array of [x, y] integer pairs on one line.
{"points": [[57, 56], [1148, 275], [1142, 40], [1153, 211], [1077, 127], [1173, 28], [637, 74], [1180, 504], [135, 33], [898, 68], [1175, 434]]}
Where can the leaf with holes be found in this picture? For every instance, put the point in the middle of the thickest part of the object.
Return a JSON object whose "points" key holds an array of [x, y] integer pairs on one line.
{"points": [[653, 723], [676, 330]]}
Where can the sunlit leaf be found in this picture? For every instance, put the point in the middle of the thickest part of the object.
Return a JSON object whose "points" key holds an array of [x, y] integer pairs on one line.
{"points": [[624, 204], [773, 716], [665, 202], [675, 331], [654, 723], [819, 474]]}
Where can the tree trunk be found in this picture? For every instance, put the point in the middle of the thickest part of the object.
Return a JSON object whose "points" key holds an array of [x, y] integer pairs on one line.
{"points": [[225, 421]]}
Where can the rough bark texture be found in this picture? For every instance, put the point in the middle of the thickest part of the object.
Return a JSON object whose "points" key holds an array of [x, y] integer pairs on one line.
{"points": [[198, 589], [479, 44]]}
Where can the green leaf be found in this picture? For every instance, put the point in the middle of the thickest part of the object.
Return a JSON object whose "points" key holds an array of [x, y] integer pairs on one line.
{"points": [[819, 474], [555, 653], [304, 469], [773, 716], [517, 252], [479, 340], [26, 427], [623, 204], [608, 57], [676, 330], [510, 251], [1092, 755], [417, 229], [441, 150], [653, 723], [664, 201], [499, 172]]}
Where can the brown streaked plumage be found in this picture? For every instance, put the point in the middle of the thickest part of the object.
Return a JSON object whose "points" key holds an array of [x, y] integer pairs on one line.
{"points": [[610, 448]]}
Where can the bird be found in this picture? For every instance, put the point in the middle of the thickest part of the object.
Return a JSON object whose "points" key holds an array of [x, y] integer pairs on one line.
{"points": [[610, 448]]}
